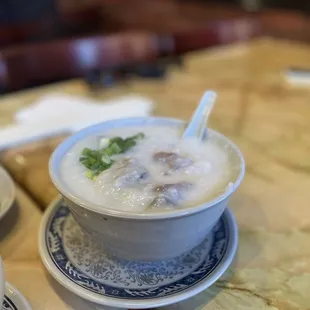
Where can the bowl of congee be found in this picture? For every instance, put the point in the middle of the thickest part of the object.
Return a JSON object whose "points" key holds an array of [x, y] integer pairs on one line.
{"points": [[140, 190]]}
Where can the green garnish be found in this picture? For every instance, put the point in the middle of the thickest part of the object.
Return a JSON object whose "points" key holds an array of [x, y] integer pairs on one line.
{"points": [[113, 149], [97, 161], [89, 174], [106, 159]]}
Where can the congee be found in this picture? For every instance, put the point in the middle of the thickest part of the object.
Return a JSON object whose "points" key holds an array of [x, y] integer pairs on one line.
{"points": [[147, 169]]}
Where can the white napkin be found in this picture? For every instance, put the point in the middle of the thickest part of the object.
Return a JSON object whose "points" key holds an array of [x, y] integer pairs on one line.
{"points": [[297, 77], [57, 113]]}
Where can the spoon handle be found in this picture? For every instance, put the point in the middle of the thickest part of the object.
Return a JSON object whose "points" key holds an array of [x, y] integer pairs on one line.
{"points": [[200, 117]]}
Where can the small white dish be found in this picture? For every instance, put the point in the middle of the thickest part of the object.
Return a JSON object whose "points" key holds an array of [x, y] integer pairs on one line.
{"points": [[13, 299], [7, 192], [81, 266], [2, 281]]}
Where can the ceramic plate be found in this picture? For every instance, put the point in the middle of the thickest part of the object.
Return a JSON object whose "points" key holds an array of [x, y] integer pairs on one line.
{"points": [[86, 270], [13, 299], [7, 192], [2, 281]]}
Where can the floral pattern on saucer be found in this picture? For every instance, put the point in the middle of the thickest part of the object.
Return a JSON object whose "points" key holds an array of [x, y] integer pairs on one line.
{"points": [[87, 265], [8, 304]]}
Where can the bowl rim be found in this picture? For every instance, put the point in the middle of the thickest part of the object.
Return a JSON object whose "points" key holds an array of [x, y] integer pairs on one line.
{"points": [[61, 149]]}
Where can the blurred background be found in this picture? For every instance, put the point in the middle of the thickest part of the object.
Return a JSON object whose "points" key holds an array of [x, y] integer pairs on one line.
{"points": [[60, 61], [52, 40]]}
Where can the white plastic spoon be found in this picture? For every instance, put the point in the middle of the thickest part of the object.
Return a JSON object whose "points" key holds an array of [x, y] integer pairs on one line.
{"points": [[200, 117]]}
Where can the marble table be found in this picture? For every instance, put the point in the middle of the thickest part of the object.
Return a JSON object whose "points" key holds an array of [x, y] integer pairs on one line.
{"points": [[270, 121]]}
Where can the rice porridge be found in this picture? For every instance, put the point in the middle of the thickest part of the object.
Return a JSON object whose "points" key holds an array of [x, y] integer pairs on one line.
{"points": [[147, 169]]}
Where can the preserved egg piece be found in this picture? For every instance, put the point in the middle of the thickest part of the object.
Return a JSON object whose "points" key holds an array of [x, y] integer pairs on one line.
{"points": [[162, 202], [164, 157], [181, 162], [174, 192], [173, 160], [132, 175]]}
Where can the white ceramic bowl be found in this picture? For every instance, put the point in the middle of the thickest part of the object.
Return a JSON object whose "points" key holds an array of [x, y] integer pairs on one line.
{"points": [[2, 282], [145, 236]]}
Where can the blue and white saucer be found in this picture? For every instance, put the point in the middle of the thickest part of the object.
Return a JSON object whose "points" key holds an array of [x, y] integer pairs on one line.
{"points": [[85, 269], [13, 299]]}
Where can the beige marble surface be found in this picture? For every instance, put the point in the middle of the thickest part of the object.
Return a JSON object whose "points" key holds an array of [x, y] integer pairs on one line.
{"points": [[269, 120]]}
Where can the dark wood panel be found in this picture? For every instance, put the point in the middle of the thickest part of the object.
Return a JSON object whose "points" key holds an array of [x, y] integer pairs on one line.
{"points": [[35, 64], [76, 18]]}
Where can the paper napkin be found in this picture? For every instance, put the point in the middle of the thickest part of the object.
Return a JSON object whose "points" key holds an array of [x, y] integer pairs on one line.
{"points": [[58, 113]]}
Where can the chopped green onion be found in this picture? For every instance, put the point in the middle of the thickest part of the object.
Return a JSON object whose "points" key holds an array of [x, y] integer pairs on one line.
{"points": [[139, 135], [96, 165], [117, 140], [104, 142], [106, 159], [86, 163], [113, 149], [89, 174], [91, 160], [129, 143], [99, 160], [87, 152]]}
